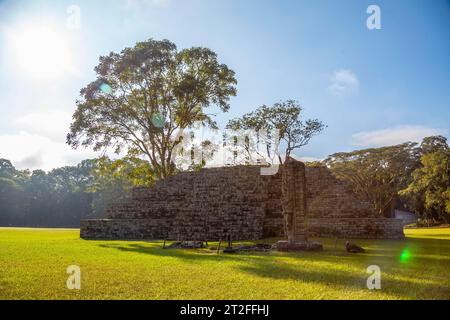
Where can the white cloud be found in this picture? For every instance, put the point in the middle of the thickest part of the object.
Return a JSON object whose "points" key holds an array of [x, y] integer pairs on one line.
{"points": [[140, 4], [393, 136], [32, 151], [53, 124], [343, 82]]}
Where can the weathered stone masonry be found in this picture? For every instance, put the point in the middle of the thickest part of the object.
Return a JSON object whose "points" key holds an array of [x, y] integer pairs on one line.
{"points": [[208, 204]]}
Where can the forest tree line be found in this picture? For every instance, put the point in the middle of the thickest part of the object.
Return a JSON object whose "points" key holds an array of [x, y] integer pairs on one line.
{"points": [[63, 196], [410, 176], [415, 176]]}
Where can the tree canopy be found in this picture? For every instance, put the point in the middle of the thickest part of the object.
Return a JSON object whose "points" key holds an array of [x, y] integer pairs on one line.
{"points": [[279, 123], [377, 174], [433, 144], [146, 96], [428, 194], [407, 175]]}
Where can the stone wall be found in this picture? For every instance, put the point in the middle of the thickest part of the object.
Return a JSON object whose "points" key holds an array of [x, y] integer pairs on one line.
{"points": [[125, 228], [405, 216], [208, 204], [356, 228], [328, 199], [203, 205]]}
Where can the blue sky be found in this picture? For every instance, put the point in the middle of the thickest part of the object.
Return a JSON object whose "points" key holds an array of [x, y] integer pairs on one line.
{"points": [[371, 87]]}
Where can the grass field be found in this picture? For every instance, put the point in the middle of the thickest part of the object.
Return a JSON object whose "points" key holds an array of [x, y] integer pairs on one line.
{"points": [[33, 265]]}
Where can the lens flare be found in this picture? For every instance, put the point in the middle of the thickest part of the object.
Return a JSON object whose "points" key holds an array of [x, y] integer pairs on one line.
{"points": [[105, 88], [158, 120], [405, 255]]}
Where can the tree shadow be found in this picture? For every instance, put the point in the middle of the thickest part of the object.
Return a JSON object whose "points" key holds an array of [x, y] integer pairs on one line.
{"points": [[184, 254], [330, 254], [351, 281], [330, 267]]}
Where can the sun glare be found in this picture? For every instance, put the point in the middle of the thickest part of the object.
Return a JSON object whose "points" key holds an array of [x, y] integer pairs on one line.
{"points": [[42, 52]]}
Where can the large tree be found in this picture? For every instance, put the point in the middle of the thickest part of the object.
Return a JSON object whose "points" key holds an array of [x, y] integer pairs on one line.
{"points": [[433, 144], [277, 127], [428, 194], [377, 174], [146, 96]]}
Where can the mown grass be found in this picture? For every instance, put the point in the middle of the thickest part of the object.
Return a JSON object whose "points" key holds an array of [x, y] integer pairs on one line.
{"points": [[33, 265]]}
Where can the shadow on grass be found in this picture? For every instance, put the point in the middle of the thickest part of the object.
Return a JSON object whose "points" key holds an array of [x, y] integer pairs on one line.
{"points": [[185, 254], [332, 267], [403, 288], [383, 250]]}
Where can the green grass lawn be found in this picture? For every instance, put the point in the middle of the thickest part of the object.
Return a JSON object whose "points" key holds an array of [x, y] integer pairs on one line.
{"points": [[33, 265]]}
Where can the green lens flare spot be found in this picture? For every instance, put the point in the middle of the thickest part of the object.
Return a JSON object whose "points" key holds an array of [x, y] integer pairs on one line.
{"points": [[405, 255], [105, 88], [158, 120]]}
